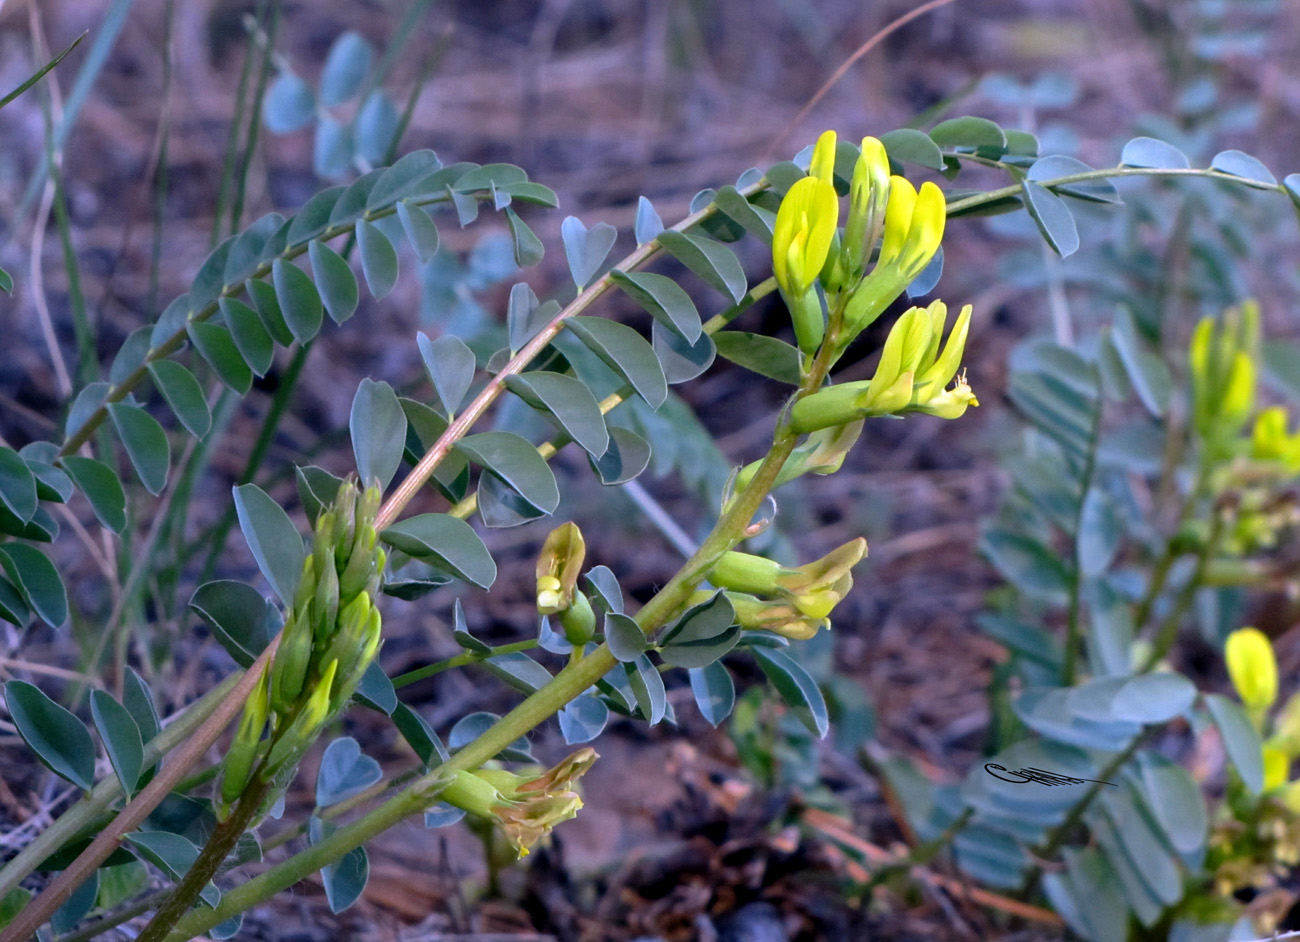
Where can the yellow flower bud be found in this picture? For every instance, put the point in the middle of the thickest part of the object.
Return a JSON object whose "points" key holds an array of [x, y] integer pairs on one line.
{"points": [[823, 158], [802, 234], [1252, 667]]}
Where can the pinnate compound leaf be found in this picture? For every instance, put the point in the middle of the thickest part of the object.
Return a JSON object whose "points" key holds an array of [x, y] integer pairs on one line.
{"points": [[300, 303], [376, 691], [1291, 183], [251, 337], [17, 485], [583, 719], [625, 638], [77, 906], [174, 854], [183, 393], [240, 618], [344, 772], [569, 402], [714, 691], [1149, 152], [1153, 698], [378, 427], [145, 442], [665, 300], [101, 486], [711, 260], [1060, 165], [626, 457], [138, 700], [681, 361], [420, 230], [334, 278], [796, 687], [404, 179], [648, 689], [445, 542], [585, 248], [217, 346], [289, 104], [346, 68], [608, 593], [317, 489], [764, 355], [1240, 740], [528, 248], [267, 305], [36, 578], [910, 146], [648, 224], [516, 462], [450, 364], [624, 351], [121, 738], [57, 737], [420, 736], [1242, 165], [272, 537], [756, 220], [374, 127], [1052, 216], [968, 132], [1176, 801], [378, 259]]}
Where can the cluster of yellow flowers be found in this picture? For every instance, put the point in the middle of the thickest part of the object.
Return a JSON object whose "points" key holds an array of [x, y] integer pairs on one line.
{"points": [[813, 260]]}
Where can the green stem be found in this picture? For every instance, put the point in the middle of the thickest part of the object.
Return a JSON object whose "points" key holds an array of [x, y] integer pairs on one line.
{"points": [[569, 683], [205, 867], [1057, 836], [57, 892], [460, 660], [992, 196], [1073, 629]]}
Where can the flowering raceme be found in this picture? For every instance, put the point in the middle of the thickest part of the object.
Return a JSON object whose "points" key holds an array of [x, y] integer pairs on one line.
{"points": [[912, 376]]}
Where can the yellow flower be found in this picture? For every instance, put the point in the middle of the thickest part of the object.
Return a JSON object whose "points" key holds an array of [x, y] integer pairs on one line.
{"points": [[802, 235], [914, 223], [1252, 667], [911, 376], [1270, 442]]}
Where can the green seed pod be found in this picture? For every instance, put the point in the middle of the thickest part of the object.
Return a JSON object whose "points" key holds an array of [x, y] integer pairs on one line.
{"points": [[289, 672], [578, 620]]}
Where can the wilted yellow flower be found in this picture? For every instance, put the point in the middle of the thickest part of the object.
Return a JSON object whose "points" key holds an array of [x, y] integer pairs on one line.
{"points": [[525, 807]]}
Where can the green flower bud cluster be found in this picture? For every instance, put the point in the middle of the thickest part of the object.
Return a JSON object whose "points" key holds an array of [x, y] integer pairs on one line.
{"points": [[331, 634]]}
